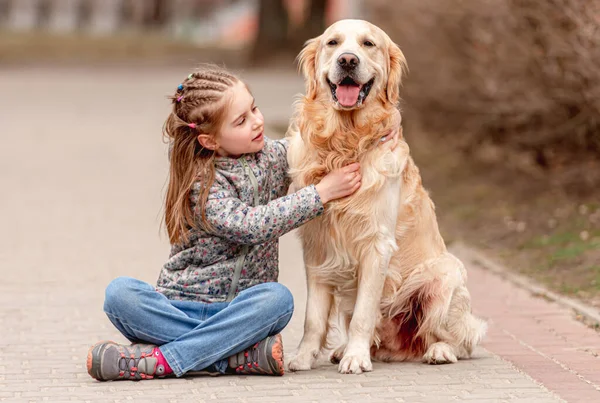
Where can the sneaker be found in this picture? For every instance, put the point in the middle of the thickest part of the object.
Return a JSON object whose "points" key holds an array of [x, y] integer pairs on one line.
{"points": [[264, 358], [108, 361]]}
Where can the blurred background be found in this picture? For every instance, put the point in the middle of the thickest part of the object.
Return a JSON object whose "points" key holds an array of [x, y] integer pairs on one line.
{"points": [[501, 109]]}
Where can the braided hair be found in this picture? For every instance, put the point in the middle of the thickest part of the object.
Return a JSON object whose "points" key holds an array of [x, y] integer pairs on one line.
{"points": [[199, 106]]}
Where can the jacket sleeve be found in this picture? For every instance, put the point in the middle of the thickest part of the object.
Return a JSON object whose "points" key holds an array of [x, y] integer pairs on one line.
{"points": [[283, 143], [280, 151], [240, 223]]}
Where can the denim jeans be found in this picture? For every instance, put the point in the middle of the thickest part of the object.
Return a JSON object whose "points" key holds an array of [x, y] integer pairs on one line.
{"points": [[194, 336]]}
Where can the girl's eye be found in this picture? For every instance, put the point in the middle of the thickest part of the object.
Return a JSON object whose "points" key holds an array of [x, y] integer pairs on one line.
{"points": [[254, 109], [242, 121], [332, 42], [369, 43]]}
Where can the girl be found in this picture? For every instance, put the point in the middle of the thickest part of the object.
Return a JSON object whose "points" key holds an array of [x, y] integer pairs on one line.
{"points": [[217, 306]]}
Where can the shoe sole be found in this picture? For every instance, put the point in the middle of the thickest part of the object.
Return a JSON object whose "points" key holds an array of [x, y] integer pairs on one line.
{"points": [[93, 359]]}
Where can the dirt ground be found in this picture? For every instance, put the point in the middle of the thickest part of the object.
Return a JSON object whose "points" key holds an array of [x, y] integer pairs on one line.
{"points": [[531, 221]]}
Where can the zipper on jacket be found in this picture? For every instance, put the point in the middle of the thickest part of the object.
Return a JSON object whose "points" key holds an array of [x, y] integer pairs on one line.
{"points": [[239, 264]]}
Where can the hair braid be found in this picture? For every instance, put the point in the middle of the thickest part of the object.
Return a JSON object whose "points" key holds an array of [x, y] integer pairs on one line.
{"points": [[198, 108]]}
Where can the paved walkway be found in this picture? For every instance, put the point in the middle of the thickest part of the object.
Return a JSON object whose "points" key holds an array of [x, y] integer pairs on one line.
{"points": [[82, 170]]}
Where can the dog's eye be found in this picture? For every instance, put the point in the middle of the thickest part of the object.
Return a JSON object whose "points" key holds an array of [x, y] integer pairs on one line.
{"points": [[368, 43], [332, 42]]}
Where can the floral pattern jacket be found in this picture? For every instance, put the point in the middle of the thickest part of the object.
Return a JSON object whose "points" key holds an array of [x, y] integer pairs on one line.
{"points": [[249, 209]]}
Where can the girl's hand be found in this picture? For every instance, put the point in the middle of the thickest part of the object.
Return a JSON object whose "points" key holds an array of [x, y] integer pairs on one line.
{"points": [[394, 135], [339, 183]]}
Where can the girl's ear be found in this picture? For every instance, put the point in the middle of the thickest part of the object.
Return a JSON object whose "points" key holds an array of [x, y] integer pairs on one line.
{"points": [[208, 141]]}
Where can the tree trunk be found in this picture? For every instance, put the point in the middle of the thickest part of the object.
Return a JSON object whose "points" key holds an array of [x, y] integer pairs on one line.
{"points": [[160, 13], [273, 25], [313, 26]]}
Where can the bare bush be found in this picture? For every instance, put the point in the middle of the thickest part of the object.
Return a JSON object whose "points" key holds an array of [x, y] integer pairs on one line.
{"points": [[521, 73]]}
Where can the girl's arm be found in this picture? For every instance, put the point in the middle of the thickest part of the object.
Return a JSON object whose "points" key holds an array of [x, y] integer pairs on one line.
{"points": [[237, 222], [240, 223]]}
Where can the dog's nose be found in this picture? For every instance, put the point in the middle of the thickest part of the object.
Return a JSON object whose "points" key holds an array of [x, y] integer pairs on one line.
{"points": [[348, 61]]}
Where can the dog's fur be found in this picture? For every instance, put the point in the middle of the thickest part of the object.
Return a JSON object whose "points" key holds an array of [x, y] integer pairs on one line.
{"points": [[377, 268]]}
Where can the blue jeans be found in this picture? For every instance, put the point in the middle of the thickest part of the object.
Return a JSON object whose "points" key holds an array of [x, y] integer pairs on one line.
{"points": [[194, 335]]}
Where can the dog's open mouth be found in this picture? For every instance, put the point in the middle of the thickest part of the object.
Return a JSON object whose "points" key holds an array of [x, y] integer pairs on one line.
{"points": [[349, 93]]}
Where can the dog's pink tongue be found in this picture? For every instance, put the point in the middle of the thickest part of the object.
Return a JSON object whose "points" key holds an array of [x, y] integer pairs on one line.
{"points": [[347, 95]]}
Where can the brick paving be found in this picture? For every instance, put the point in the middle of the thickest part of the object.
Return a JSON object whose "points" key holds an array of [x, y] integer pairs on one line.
{"points": [[82, 170], [537, 336]]}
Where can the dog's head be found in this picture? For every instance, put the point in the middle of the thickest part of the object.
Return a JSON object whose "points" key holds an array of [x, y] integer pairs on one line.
{"points": [[352, 62]]}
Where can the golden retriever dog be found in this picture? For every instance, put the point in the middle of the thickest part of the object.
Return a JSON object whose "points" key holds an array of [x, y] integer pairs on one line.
{"points": [[379, 275]]}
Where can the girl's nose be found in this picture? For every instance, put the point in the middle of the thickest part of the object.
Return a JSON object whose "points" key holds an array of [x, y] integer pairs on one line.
{"points": [[258, 122]]}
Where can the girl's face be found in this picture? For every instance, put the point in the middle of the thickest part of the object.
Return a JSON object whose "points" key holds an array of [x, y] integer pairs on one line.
{"points": [[243, 125]]}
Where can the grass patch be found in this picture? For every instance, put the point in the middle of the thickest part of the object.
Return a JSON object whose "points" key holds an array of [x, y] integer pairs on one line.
{"points": [[563, 238], [571, 252]]}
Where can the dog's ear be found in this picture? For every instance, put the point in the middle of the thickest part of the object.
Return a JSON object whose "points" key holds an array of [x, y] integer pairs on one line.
{"points": [[397, 67], [307, 63]]}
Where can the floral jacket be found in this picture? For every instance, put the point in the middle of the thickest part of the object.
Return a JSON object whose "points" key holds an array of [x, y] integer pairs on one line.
{"points": [[249, 209]]}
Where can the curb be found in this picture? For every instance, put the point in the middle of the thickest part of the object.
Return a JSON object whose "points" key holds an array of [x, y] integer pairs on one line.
{"points": [[590, 314]]}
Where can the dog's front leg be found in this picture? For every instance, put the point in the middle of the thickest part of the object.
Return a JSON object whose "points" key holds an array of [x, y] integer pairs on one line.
{"points": [[318, 304], [337, 336], [374, 261], [357, 357]]}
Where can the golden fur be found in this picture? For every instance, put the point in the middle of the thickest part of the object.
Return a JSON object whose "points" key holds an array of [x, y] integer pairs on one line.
{"points": [[378, 271]]}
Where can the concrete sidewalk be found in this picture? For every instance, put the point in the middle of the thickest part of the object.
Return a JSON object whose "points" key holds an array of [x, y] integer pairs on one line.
{"points": [[83, 172]]}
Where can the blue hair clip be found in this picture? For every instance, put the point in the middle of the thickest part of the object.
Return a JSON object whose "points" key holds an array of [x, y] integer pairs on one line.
{"points": [[180, 87]]}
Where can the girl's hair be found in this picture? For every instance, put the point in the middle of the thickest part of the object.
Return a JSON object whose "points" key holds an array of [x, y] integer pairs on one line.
{"points": [[199, 106]]}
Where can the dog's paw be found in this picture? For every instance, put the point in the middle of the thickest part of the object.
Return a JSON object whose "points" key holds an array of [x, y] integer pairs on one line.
{"points": [[355, 363], [337, 354], [439, 353], [301, 362]]}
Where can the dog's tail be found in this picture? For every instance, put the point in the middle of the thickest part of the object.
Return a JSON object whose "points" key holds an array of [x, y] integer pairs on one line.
{"points": [[433, 304], [465, 329]]}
